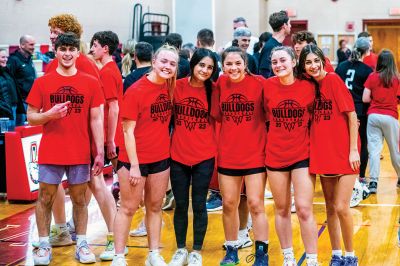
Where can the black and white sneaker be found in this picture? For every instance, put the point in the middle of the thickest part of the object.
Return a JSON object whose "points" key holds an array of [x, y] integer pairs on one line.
{"points": [[373, 187]]}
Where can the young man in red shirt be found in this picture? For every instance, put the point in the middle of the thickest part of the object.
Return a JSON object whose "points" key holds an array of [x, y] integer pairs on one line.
{"points": [[66, 102], [103, 45]]}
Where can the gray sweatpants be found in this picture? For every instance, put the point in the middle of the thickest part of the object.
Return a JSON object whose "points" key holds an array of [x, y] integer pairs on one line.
{"points": [[379, 127]]}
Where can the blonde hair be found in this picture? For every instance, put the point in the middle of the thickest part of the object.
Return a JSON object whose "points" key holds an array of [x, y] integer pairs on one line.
{"points": [[128, 49], [171, 82]]}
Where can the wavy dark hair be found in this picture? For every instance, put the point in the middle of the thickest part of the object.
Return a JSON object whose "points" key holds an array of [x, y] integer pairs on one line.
{"points": [[197, 56], [301, 70], [386, 67]]}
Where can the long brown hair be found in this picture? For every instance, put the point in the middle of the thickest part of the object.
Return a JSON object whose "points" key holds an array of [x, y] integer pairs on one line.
{"points": [[386, 67]]}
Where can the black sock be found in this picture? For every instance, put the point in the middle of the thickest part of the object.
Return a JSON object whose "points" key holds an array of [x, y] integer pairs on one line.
{"points": [[260, 245]]}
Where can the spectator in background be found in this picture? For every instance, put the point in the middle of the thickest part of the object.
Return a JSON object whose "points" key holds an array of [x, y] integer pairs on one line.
{"points": [[175, 39], [370, 59], [241, 22], [280, 24], [143, 55], [300, 39], [343, 52], [190, 48], [205, 39], [264, 37], [127, 65], [9, 97], [242, 37], [23, 71]]}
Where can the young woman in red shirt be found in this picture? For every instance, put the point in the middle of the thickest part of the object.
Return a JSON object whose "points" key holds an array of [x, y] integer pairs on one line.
{"points": [[238, 105], [334, 153], [381, 90], [288, 102], [143, 163], [193, 150]]}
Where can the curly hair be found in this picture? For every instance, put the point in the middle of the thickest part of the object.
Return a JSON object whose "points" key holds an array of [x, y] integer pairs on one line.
{"points": [[66, 22]]}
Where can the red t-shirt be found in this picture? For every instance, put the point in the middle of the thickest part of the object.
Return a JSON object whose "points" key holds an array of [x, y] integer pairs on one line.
{"points": [[328, 66], [82, 64], [371, 60], [329, 136], [383, 100], [149, 105], [193, 139], [288, 109], [66, 141], [242, 136], [111, 79]]}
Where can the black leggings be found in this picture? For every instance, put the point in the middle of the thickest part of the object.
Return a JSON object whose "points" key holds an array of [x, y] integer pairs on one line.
{"points": [[362, 130], [181, 177]]}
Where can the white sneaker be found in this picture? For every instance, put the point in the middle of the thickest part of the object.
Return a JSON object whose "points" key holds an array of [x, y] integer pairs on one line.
{"points": [[312, 262], [140, 230], [244, 239], [180, 257], [357, 195], [118, 261], [268, 194], [155, 259], [195, 259], [42, 254], [293, 207], [289, 260], [83, 253]]}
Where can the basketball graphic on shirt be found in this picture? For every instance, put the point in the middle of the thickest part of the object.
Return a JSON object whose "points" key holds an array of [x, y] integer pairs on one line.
{"points": [[322, 109], [191, 112], [236, 107], [68, 93], [288, 113], [161, 109]]}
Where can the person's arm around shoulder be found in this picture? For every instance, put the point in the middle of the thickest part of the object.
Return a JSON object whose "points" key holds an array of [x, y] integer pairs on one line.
{"points": [[96, 125], [36, 118]]}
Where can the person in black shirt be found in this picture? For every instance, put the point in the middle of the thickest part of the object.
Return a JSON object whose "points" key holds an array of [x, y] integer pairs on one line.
{"points": [[175, 39], [343, 52], [242, 37], [354, 73], [279, 21], [142, 57]]}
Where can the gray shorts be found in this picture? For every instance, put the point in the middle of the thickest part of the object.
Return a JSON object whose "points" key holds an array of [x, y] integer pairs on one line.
{"points": [[52, 174]]}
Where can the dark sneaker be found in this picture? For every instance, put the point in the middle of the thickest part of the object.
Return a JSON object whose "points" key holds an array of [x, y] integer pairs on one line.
{"points": [[336, 261], [214, 202], [261, 258], [231, 257], [373, 187], [350, 261]]}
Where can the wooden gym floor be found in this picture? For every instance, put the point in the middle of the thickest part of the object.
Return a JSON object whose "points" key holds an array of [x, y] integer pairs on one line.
{"points": [[376, 222]]}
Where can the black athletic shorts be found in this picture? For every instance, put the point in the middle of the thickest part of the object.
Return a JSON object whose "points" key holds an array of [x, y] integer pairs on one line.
{"points": [[147, 169], [301, 164], [241, 172]]}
